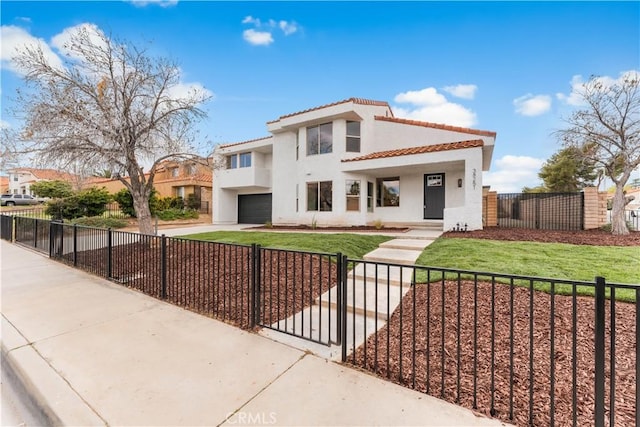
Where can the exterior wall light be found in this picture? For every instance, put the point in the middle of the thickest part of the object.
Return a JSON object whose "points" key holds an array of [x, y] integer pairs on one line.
{"points": [[459, 182]]}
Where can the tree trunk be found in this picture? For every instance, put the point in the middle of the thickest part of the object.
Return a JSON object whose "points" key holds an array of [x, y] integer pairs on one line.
{"points": [[143, 213], [618, 221]]}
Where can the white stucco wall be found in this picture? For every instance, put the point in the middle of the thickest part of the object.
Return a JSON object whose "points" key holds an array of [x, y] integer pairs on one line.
{"points": [[289, 177]]}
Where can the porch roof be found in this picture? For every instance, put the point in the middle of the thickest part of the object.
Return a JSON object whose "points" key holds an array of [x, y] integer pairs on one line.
{"points": [[419, 150]]}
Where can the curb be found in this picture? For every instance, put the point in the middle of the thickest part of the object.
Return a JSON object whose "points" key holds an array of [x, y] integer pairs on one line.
{"points": [[46, 394]]}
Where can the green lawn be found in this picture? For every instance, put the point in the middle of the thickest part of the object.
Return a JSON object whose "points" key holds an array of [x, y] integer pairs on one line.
{"points": [[550, 260], [351, 245], [547, 260]]}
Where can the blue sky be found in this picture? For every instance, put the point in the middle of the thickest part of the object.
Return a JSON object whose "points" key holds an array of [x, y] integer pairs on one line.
{"points": [[508, 67]]}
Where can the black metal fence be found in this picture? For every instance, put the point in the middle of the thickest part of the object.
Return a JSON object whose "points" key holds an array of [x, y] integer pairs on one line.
{"points": [[527, 350], [547, 211]]}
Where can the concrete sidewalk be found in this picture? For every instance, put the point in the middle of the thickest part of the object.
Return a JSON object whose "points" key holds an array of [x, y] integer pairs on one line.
{"points": [[90, 352]]}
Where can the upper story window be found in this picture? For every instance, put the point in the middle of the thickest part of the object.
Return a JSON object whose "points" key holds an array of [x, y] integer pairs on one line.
{"points": [[190, 170], [175, 172], [353, 137], [320, 139], [242, 160]]}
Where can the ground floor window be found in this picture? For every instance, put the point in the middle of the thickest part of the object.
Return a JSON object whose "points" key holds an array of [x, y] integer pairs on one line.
{"points": [[369, 196], [320, 196], [353, 195], [388, 192]]}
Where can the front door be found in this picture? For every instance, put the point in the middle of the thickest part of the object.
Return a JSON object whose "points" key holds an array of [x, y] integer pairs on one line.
{"points": [[434, 196]]}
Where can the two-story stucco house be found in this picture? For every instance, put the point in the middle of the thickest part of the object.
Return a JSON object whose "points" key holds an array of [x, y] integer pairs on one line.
{"points": [[353, 163]]}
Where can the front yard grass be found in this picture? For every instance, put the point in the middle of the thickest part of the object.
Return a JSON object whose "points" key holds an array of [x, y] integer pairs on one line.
{"points": [[351, 245], [549, 260]]}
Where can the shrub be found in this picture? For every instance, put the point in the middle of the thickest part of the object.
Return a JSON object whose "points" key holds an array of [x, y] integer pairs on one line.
{"points": [[101, 222], [125, 200], [91, 202], [192, 202], [172, 214]]}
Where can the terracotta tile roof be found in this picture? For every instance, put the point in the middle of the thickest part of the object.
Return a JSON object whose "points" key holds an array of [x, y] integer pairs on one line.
{"points": [[46, 174], [419, 150], [231, 144], [360, 101], [436, 126], [200, 177]]}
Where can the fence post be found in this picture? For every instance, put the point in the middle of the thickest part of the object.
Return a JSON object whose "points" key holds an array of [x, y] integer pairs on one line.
{"points": [[343, 307], [75, 245], [339, 301], [252, 273], [599, 351], [109, 260], [255, 284], [163, 266], [13, 229], [35, 236]]}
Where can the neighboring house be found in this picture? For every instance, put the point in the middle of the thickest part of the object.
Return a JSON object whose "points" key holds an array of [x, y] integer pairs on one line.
{"points": [[172, 179], [353, 163], [20, 179], [4, 184]]}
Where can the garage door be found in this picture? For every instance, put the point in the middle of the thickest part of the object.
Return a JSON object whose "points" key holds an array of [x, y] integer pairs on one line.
{"points": [[254, 208]]}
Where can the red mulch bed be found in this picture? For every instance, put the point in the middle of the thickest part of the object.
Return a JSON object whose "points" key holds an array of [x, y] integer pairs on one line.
{"points": [[586, 237], [213, 278], [308, 228], [426, 374]]}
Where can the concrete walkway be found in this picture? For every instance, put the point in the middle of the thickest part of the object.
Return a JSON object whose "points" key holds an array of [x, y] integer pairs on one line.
{"points": [[372, 296], [90, 352]]}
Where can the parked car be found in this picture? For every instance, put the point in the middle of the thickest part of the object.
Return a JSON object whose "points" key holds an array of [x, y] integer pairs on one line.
{"points": [[19, 200]]}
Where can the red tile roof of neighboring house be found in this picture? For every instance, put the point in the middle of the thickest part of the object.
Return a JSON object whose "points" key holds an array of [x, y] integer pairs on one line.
{"points": [[4, 183], [419, 150], [200, 177], [231, 144], [360, 101], [436, 126], [46, 174]]}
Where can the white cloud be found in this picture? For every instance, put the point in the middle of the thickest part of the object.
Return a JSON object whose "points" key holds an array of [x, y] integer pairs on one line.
{"points": [[161, 3], [185, 90], [15, 38], [257, 38], [251, 20], [431, 106], [511, 173], [462, 91], [532, 105], [61, 41], [575, 97], [288, 28], [262, 32]]}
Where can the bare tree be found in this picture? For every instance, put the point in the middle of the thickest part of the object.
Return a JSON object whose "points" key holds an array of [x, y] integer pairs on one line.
{"points": [[607, 132], [109, 105]]}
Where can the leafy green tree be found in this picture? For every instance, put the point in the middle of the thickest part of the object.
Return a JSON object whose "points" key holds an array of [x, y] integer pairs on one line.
{"points": [[54, 189], [538, 189], [568, 171]]}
